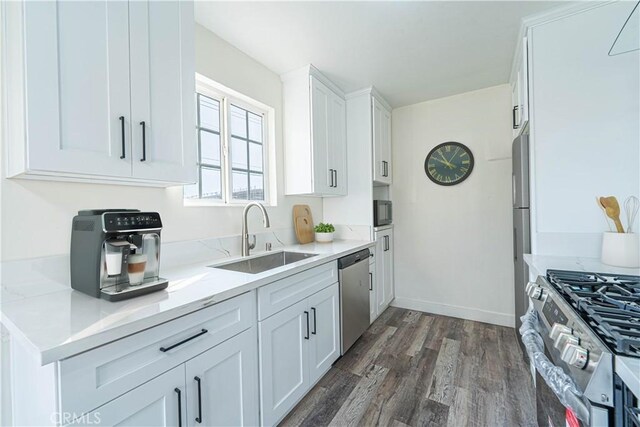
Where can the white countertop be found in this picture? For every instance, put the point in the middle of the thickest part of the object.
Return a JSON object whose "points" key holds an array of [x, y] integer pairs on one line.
{"points": [[542, 263], [628, 369], [62, 322]]}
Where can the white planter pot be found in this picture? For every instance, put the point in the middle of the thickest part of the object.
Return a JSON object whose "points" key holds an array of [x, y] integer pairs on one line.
{"points": [[621, 249], [324, 237]]}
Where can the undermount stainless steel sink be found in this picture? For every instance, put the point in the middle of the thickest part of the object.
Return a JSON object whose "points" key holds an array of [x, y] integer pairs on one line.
{"points": [[265, 262]]}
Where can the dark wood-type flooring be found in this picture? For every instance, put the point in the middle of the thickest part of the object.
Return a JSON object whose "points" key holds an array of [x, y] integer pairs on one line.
{"points": [[418, 369]]}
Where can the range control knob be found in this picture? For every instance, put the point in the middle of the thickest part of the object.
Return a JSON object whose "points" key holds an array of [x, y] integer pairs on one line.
{"points": [[529, 286], [565, 339], [575, 355], [536, 292], [559, 328]]}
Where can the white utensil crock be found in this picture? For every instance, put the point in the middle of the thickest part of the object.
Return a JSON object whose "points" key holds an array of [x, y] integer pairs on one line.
{"points": [[621, 249]]}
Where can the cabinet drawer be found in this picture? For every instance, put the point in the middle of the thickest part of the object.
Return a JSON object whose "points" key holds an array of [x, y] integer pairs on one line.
{"points": [[97, 376], [281, 294]]}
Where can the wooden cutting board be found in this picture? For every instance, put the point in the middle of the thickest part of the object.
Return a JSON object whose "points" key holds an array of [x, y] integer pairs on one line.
{"points": [[303, 224]]}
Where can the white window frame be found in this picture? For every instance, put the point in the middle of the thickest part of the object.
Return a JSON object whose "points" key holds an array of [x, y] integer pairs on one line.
{"points": [[226, 97]]}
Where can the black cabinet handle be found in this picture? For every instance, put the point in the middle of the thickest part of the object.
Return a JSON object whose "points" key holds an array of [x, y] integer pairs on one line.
{"points": [[386, 243], [165, 349], [335, 181], [307, 314], [144, 142], [331, 178], [199, 417], [123, 155], [177, 390], [513, 117], [315, 322], [370, 281]]}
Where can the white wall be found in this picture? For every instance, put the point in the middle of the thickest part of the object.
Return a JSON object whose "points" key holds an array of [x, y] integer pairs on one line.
{"points": [[453, 245], [586, 128], [36, 215]]}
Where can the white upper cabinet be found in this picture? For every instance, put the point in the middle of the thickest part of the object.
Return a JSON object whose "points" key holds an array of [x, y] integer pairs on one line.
{"points": [[381, 115], [314, 135], [80, 79], [162, 90], [520, 89]]}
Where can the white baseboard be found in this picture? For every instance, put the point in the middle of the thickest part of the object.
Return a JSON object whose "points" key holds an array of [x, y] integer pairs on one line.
{"points": [[495, 318]]}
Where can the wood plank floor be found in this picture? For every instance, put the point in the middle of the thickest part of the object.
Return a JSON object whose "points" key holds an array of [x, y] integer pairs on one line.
{"points": [[417, 369]]}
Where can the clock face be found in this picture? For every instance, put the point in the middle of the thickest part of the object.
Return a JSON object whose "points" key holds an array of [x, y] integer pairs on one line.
{"points": [[449, 163]]}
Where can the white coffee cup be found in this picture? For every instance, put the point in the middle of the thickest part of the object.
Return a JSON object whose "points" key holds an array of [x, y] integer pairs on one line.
{"points": [[136, 266]]}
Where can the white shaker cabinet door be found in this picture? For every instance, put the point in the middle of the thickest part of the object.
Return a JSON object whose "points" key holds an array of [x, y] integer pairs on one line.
{"points": [[222, 383], [159, 402], [77, 87], [338, 145], [163, 91], [323, 172], [389, 290], [381, 143], [324, 346], [284, 369], [381, 244]]}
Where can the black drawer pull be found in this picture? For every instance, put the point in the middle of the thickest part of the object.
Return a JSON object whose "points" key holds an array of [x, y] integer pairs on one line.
{"points": [[144, 142], [513, 117], [171, 347], [315, 322], [199, 417], [122, 128], [307, 314], [177, 390], [370, 281]]}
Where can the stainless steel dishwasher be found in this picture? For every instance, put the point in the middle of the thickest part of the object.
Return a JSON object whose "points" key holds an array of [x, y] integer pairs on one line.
{"points": [[353, 274]]}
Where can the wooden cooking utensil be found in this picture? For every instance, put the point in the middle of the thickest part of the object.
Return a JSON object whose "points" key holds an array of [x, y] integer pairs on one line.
{"points": [[303, 224], [604, 212], [612, 207]]}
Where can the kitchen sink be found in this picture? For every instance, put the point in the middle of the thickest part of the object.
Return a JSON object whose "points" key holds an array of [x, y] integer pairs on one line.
{"points": [[264, 263]]}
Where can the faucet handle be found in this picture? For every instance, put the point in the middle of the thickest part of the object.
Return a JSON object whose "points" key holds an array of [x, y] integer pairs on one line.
{"points": [[251, 240]]}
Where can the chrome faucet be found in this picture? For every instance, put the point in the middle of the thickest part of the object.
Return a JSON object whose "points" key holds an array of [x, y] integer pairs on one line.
{"points": [[246, 246]]}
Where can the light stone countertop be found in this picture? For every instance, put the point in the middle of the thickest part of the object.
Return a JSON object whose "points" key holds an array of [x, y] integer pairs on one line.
{"points": [[60, 322]]}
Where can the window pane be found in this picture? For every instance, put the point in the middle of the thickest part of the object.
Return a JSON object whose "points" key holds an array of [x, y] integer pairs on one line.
{"points": [[239, 185], [255, 127], [255, 156], [257, 186], [238, 121], [209, 148], [238, 153], [209, 113], [191, 191], [211, 183]]}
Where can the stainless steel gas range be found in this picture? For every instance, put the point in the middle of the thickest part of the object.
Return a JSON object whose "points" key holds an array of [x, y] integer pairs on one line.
{"points": [[576, 326]]}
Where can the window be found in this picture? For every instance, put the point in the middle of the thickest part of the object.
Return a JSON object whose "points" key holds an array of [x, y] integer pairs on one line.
{"points": [[233, 147]]}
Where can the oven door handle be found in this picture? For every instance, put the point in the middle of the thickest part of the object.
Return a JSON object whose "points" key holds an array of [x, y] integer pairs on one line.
{"points": [[562, 385]]}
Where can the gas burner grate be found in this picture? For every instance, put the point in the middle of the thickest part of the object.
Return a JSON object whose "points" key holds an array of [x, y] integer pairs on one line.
{"points": [[609, 303]]}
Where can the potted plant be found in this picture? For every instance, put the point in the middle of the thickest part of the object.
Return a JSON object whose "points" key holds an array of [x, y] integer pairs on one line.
{"points": [[324, 232]]}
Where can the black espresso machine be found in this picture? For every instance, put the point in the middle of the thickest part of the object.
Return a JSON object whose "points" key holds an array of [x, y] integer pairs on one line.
{"points": [[115, 253]]}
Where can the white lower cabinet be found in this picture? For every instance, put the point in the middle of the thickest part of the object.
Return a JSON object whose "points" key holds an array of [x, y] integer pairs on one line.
{"points": [[325, 331], [159, 402], [284, 370], [222, 384], [297, 346], [373, 292], [384, 289]]}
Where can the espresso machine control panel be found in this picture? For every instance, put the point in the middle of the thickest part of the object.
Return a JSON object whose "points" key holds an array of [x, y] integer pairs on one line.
{"points": [[129, 221]]}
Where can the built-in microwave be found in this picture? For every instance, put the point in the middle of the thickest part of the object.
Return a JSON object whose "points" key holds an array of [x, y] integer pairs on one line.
{"points": [[382, 212]]}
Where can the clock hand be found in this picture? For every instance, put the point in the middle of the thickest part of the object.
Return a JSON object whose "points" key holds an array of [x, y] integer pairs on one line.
{"points": [[454, 154], [446, 162]]}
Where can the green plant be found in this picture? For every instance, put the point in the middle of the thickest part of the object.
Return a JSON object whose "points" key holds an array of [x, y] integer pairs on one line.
{"points": [[324, 228]]}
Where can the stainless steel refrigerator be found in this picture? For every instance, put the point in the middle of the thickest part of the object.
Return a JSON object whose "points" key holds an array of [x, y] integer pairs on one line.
{"points": [[521, 228]]}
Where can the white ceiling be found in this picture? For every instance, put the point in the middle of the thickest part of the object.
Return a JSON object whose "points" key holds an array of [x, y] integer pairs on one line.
{"points": [[410, 51]]}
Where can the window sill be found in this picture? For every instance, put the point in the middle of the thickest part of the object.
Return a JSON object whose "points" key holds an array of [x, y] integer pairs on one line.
{"points": [[220, 203]]}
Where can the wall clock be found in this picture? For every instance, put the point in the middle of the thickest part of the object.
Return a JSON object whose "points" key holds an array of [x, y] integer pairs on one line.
{"points": [[449, 163]]}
